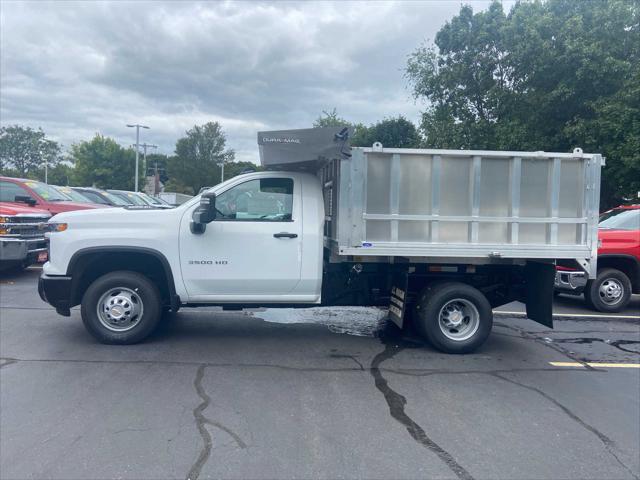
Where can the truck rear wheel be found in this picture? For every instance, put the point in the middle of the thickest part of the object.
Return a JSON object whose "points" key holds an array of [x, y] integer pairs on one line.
{"points": [[121, 308], [610, 292], [454, 317]]}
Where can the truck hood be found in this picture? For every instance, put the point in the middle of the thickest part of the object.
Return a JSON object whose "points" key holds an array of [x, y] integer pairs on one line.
{"points": [[11, 208], [614, 241], [58, 207], [116, 216]]}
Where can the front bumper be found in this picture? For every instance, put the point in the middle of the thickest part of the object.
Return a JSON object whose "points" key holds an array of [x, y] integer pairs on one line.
{"points": [[21, 249], [56, 291], [570, 281]]}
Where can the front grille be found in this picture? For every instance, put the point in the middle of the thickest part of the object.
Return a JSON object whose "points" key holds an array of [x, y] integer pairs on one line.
{"points": [[23, 227]]}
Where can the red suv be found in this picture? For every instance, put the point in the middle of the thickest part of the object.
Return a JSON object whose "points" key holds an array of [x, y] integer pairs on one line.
{"points": [[38, 194], [618, 263]]}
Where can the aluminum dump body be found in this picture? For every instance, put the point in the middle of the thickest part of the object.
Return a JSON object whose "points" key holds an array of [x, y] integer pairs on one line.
{"points": [[463, 204], [446, 205]]}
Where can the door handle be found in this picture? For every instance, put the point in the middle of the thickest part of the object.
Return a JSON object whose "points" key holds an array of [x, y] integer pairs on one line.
{"points": [[285, 235]]}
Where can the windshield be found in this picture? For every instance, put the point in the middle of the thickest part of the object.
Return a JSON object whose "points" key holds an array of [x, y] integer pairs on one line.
{"points": [[150, 199], [71, 193], [130, 197], [621, 219], [47, 192], [144, 198], [115, 199]]}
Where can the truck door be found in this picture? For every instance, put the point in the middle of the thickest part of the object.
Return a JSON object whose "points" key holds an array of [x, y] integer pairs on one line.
{"points": [[252, 250]]}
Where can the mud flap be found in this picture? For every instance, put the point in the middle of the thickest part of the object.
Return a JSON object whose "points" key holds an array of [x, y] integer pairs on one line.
{"points": [[539, 281], [398, 300]]}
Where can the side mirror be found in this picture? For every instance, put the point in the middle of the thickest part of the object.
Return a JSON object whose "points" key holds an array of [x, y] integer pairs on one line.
{"points": [[24, 199], [205, 213]]}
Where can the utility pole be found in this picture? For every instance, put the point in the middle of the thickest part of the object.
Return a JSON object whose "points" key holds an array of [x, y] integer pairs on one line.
{"points": [[137, 127], [144, 155]]}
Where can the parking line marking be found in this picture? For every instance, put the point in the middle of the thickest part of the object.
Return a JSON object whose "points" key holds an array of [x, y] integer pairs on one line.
{"points": [[574, 315], [595, 364]]}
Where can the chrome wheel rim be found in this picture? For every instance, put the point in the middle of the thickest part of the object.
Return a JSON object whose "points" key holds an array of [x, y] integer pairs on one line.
{"points": [[459, 319], [611, 291], [120, 309]]}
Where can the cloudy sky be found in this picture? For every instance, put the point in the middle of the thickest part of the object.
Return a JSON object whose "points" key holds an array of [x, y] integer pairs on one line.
{"points": [[78, 68]]}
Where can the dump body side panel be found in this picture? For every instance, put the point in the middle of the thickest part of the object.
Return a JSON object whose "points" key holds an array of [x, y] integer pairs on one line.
{"points": [[464, 204]]}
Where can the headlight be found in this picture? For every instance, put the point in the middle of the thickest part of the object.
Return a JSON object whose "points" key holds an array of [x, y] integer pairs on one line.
{"points": [[57, 227], [4, 229]]}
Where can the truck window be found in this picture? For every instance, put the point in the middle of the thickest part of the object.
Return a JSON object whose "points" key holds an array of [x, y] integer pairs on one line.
{"points": [[621, 219], [264, 200], [9, 191], [94, 197]]}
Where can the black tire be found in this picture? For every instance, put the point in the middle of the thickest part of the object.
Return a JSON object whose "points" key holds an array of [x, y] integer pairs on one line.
{"points": [[598, 292], [143, 293], [434, 298]]}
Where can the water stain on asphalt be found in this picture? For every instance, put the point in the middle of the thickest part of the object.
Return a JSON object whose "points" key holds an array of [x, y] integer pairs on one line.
{"points": [[359, 321]]}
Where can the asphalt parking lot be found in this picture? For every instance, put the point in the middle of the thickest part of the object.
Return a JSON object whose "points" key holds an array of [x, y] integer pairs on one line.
{"points": [[340, 395]]}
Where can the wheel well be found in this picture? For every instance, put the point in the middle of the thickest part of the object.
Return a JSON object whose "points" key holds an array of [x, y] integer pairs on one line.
{"points": [[627, 265], [92, 265]]}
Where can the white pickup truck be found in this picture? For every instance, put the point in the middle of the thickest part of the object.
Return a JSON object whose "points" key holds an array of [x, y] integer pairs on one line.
{"points": [[439, 236]]}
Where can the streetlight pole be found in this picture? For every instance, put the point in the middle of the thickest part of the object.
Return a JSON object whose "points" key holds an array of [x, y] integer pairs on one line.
{"points": [[137, 127]]}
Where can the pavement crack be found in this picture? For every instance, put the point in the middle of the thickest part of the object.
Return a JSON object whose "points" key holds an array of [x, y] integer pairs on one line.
{"points": [[529, 336], [201, 422], [588, 340], [230, 432], [186, 363], [131, 430], [7, 361], [352, 357], [608, 443], [397, 403]]}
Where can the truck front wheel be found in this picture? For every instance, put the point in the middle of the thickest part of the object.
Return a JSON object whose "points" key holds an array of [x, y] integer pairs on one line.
{"points": [[454, 317], [610, 292], [121, 308]]}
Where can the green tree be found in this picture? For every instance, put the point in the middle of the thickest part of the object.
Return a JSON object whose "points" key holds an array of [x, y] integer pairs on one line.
{"points": [[233, 169], [331, 119], [198, 158], [61, 174], [103, 163], [25, 151], [547, 76], [391, 132]]}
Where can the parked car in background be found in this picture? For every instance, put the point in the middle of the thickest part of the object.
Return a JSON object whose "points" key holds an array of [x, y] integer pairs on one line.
{"points": [[153, 201], [22, 240], [173, 198], [618, 263], [129, 197], [40, 195], [72, 194], [102, 197]]}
